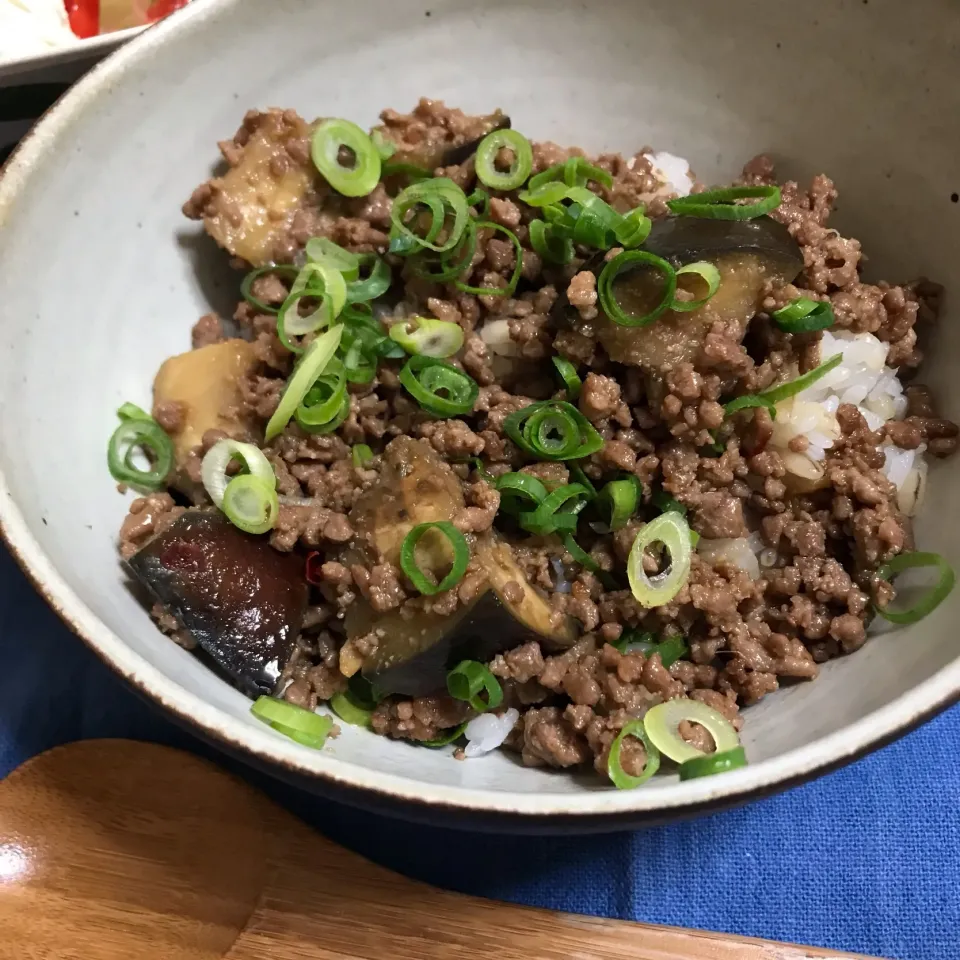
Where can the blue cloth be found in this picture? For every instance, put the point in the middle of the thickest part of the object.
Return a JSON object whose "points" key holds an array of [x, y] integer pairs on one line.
{"points": [[867, 859]]}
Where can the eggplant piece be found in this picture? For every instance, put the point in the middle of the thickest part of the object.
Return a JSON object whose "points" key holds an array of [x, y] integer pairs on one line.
{"points": [[748, 253], [206, 384], [250, 208], [433, 153], [241, 600], [412, 655], [416, 486]]}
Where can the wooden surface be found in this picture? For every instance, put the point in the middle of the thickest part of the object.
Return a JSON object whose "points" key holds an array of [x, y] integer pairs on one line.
{"points": [[111, 849]]}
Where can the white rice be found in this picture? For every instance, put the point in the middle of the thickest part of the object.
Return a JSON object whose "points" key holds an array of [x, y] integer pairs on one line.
{"points": [[736, 551], [862, 378], [488, 731], [672, 171]]}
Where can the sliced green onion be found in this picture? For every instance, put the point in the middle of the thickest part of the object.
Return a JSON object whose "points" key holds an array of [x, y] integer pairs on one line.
{"points": [[791, 389], [615, 267], [363, 175], [428, 337], [486, 166], [441, 197], [213, 467], [285, 271], [587, 562], [375, 284], [553, 430], [519, 491], [709, 274], [722, 205], [556, 512], [578, 476], [139, 431], [311, 365], [749, 401], [439, 387], [386, 148], [621, 779], [673, 531], [443, 267], [544, 195], [578, 173], [664, 502], [662, 724], [634, 228], [445, 738], [619, 500], [327, 404], [550, 175], [467, 680], [361, 455], [569, 376], [306, 727], [596, 222], [713, 763], [550, 243], [397, 168], [348, 710], [671, 650], [481, 200], [804, 315], [511, 286], [930, 600], [316, 281], [323, 250], [408, 558], [250, 504], [631, 640]]}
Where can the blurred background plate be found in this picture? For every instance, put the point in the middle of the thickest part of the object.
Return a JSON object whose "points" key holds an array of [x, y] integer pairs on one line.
{"points": [[66, 63]]}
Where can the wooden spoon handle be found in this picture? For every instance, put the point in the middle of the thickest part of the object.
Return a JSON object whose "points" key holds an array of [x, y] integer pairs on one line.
{"points": [[109, 846]]}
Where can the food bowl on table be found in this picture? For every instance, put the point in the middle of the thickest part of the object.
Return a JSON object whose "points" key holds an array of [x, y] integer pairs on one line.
{"points": [[132, 276]]}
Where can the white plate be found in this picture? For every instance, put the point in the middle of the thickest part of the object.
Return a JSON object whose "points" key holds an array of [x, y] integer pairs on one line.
{"points": [[67, 62]]}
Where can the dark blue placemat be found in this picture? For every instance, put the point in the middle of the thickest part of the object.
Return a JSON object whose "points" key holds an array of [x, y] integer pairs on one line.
{"points": [[867, 859]]}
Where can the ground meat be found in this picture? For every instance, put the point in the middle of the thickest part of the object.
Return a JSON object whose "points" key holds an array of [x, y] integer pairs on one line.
{"points": [[207, 330], [599, 397], [170, 414], [422, 719], [148, 516]]}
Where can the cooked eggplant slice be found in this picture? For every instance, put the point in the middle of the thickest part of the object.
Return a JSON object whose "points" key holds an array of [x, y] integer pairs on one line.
{"points": [[206, 385], [688, 239], [412, 655], [432, 153], [241, 600], [415, 486]]}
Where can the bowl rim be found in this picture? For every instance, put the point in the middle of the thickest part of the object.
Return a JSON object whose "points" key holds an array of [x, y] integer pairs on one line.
{"points": [[323, 768]]}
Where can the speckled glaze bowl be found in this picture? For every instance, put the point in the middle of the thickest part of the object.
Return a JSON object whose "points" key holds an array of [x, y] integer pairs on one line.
{"points": [[101, 278]]}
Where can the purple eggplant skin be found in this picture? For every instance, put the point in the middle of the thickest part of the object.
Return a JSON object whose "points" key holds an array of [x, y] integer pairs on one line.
{"points": [[241, 600]]}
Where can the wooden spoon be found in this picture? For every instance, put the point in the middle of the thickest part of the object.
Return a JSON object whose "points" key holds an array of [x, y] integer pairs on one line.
{"points": [[111, 850]]}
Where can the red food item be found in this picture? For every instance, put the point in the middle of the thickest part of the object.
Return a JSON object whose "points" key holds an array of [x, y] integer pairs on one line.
{"points": [[159, 9], [311, 570], [84, 17]]}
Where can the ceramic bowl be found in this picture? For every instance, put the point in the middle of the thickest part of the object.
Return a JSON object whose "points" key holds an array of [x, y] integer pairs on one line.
{"points": [[101, 278]]}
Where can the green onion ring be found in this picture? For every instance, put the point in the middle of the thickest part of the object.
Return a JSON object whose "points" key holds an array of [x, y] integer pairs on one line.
{"points": [[804, 315], [557, 511], [144, 432], [749, 401], [408, 559], [316, 281], [312, 364], [361, 455], [550, 175], [569, 376], [375, 284], [578, 173], [670, 650], [485, 162], [246, 286], [613, 269], [530, 429], [634, 228], [587, 562], [480, 199], [327, 403], [468, 679], [250, 504], [621, 779], [596, 222], [549, 243], [358, 180], [631, 640], [511, 286], [709, 274], [428, 337], [929, 601], [664, 502], [620, 498], [576, 472], [445, 738], [713, 763], [424, 377], [673, 531], [323, 250], [213, 467], [397, 168], [721, 205], [386, 148], [662, 724], [349, 711], [439, 195], [306, 727], [787, 390], [546, 195], [441, 268], [519, 491]]}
